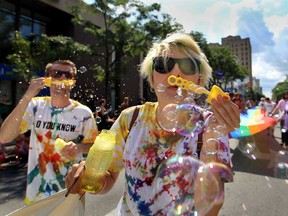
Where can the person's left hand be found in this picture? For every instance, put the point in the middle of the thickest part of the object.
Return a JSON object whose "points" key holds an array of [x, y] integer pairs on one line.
{"points": [[226, 115], [70, 151]]}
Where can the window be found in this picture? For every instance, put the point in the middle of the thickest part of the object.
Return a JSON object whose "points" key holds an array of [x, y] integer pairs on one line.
{"points": [[6, 24], [28, 26]]}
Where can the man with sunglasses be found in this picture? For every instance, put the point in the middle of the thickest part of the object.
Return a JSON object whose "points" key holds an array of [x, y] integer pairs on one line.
{"points": [[49, 118]]}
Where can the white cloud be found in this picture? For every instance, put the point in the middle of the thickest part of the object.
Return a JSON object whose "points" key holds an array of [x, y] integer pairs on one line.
{"points": [[276, 24]]}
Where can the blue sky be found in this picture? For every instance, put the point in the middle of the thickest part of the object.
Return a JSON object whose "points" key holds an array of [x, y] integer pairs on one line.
{"points": [[265, 22]]}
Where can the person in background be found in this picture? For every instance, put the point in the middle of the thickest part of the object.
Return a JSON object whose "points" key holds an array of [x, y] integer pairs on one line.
{"points": [[5, 106], [261, 104], [49, 118], [269, 107], [249, 103], [282, 106], [238, 101], [2, 155], [125, 103], [22, 148], [141, 101], [142, 150], [106, 122]]}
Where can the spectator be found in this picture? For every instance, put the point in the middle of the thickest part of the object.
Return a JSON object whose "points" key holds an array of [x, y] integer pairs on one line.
{"points": [[2, 155], [282, 106], [22, 147], [49, 118], [125, 103], [268, 108], [238, 101], [141, 151], [261, 104], [106, 122], [249, 103], [141, 101], [5, 106]]}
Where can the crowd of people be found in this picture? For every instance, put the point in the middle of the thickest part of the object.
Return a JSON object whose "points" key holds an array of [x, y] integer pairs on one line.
{"points": [[142, 148]]}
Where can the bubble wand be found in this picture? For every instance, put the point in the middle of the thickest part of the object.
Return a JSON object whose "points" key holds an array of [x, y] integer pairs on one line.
{"points": [[189, 85], [48, 81]]}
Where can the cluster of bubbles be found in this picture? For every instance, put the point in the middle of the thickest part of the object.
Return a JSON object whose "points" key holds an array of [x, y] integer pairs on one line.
{"points": [[184, 174], [185, 115], [192, 184], [98, 118]]}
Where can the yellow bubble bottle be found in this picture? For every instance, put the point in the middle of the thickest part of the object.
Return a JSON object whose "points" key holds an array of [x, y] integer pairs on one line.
{"points": [[59, 145], [98, 161]]}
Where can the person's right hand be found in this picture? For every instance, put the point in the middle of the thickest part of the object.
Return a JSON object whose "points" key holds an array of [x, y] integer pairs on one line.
{"points": [[35, 86], [73, 174]]}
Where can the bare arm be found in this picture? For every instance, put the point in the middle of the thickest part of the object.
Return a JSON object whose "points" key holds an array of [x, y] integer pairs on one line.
{"points": [[11, 125], [6, 102], [274, 110]]}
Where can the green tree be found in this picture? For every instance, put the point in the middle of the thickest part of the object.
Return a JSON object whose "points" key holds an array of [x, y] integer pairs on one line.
{"points": [[127, 30], [280, 89], [202, 42], [225, 67], [29, 56]]}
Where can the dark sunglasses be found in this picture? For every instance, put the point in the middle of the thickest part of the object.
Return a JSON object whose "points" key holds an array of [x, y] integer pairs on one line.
{"points": [[165, 65], [59, 73]]}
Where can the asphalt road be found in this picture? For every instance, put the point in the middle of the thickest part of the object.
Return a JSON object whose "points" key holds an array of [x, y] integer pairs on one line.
{"points": [[256, 191]]}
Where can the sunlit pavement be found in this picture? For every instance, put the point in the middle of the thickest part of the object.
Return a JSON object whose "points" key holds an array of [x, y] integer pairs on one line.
{"points": [[255, 190]]}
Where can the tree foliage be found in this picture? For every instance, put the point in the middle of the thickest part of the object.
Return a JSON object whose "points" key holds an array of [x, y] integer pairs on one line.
{"points": [[29, 56], [279, 90], [127, 29], [225, 66]]}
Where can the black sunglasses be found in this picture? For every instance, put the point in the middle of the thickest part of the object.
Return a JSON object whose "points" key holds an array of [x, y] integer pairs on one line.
{"points": [[165, 65], [59, 73]]}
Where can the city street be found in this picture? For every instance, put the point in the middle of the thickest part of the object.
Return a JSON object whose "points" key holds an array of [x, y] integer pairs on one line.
{"points": [[255, 190]]}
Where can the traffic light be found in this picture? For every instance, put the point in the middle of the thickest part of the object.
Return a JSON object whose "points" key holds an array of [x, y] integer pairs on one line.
{"points": [[277, 88]]}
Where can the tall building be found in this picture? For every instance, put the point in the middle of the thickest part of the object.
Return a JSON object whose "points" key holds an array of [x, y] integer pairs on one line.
{"points": [[242, 49]]}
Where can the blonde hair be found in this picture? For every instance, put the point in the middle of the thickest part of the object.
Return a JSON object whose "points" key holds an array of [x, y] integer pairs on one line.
{"points": [[186, 45], [61, 62]]}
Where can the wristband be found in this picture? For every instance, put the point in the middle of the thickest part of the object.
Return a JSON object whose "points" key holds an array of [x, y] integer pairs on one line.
{"points": [[104, 185], [209, 153]]}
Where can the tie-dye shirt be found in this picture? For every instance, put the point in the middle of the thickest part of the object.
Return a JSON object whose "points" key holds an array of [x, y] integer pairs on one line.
{"points": [[142, 151], [46, 168]]}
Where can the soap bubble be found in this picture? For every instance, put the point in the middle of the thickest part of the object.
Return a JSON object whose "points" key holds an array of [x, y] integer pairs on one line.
{"points": [[209, 188], [168, 117], [247, 146], [98, 119], [189, 121], [98, 109], [176, 175], [281, 167], [82, 69]]}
